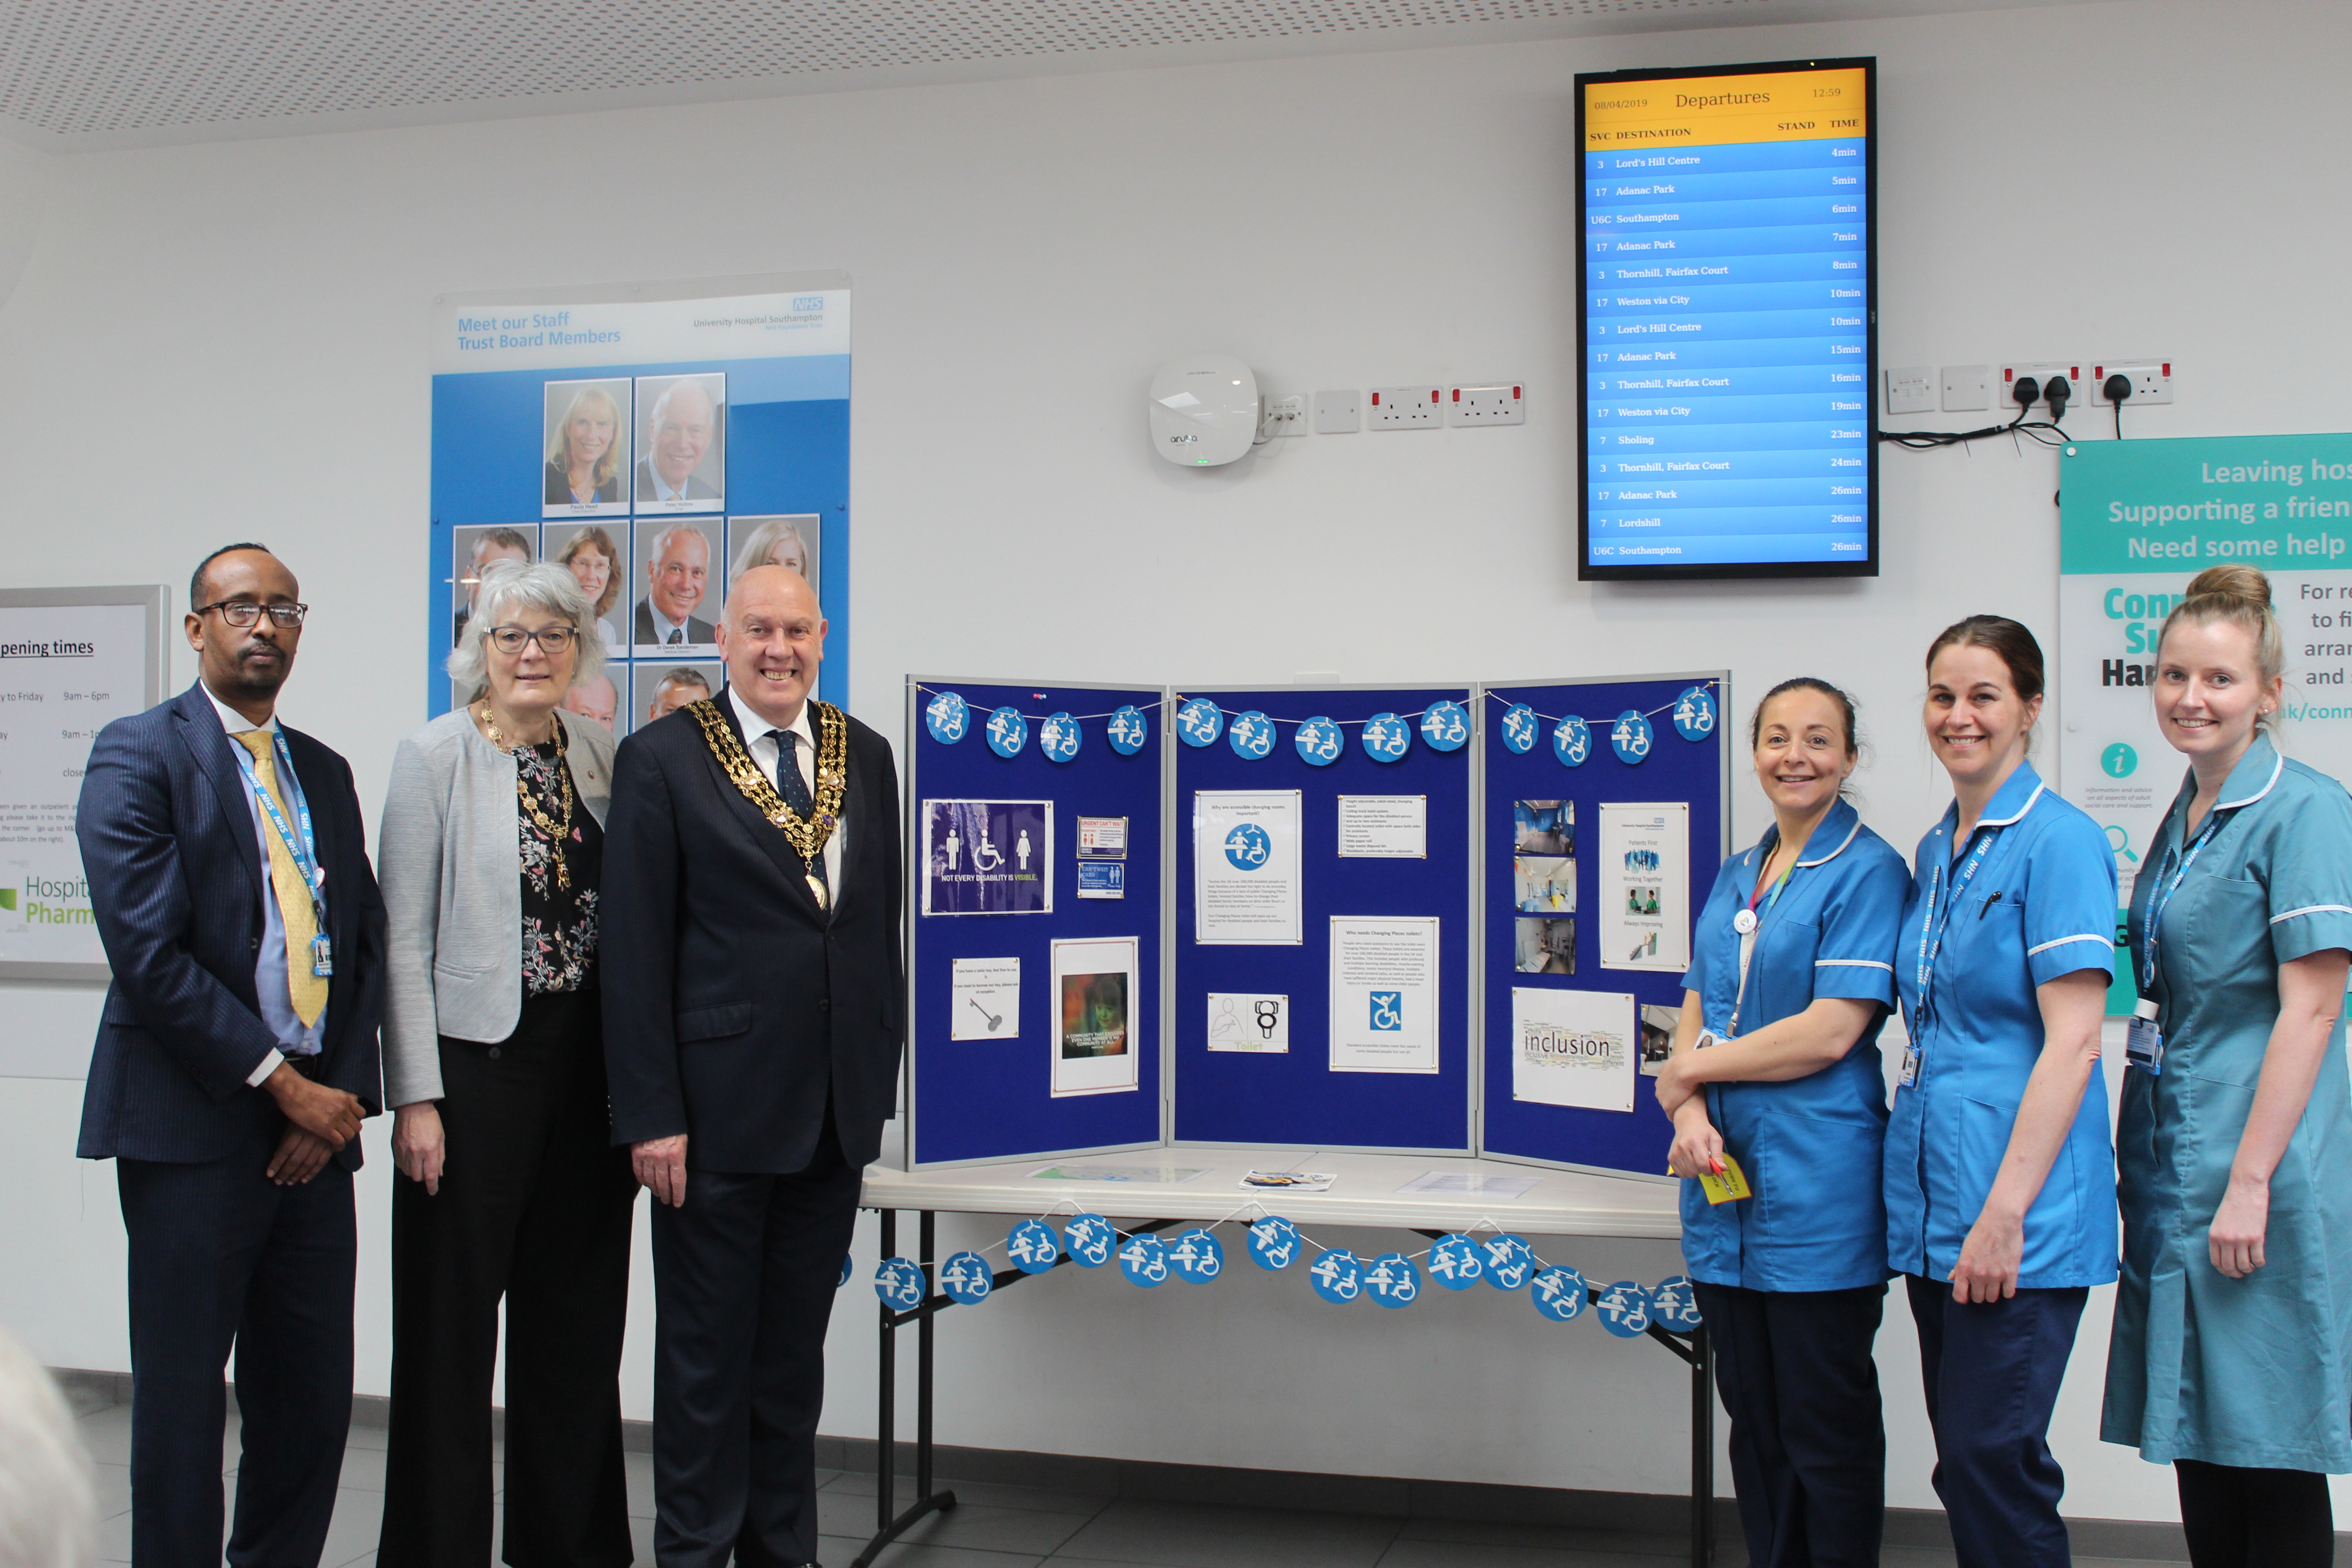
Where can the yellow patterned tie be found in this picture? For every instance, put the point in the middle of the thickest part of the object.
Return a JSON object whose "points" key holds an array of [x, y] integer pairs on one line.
{"points": [[308, 990]]}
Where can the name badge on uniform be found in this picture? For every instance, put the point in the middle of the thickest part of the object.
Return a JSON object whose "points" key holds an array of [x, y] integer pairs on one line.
{"points": [[2144, 1039], [1910, 1075], [323, 956], [1706, 1037]]}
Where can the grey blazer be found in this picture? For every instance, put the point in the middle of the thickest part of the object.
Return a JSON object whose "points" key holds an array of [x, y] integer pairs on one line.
{"points": [[450, 860]]}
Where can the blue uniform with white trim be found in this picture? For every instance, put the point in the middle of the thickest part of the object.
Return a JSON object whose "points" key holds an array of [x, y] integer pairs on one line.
{"points": [[2031, 896], [1809, 1145], [2250, 1372]]}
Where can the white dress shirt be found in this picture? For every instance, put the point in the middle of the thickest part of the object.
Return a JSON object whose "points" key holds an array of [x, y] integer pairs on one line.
{"points": [[269, 969], [760, 742]]}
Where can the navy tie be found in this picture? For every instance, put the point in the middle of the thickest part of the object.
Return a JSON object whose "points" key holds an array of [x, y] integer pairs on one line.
{"points": [[795, 791]]}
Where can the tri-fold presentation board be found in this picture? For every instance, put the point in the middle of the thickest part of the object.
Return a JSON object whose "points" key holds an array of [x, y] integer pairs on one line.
{"points": [[1444, 920]]}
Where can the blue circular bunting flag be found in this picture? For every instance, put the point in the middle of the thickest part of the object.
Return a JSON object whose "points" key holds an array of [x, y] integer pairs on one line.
{"points": [[1143, 1258], [1338, 1275], [1519, 729], [1252, 736], [1088, 1239], [1387, 738], [1007, 733], [947, 718], [1197, 1256], [1695, 713], [1392, 1280], [1628, 737], [848, 1267], [1509, 1260], [1673, 1304], [1033, 1246], [1128, 730], [1057, 737], [1624, 1308], [1454, 1262], [1199, 722], [1571, 741], [1446, 727], [967, 1279], [1273, 1242], [1559, 1293], [899, 1284], [1319, 743]]}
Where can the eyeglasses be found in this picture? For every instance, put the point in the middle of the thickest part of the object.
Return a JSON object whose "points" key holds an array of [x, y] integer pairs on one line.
{"points": [[552, 640], [245, 613]]}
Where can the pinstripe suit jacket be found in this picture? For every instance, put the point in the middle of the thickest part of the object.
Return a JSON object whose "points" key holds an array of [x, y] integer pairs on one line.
{"points": [[174, 878]]}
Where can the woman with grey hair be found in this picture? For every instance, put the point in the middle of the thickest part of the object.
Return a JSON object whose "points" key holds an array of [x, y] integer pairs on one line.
{"points": [[490, 856], [776, 542]]}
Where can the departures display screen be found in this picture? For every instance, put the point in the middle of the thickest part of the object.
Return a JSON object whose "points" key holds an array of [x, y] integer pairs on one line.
{"points": [[1728, 337]]}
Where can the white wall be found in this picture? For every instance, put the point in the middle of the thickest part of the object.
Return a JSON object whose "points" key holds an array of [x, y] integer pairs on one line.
{"points": [[228, 340]]}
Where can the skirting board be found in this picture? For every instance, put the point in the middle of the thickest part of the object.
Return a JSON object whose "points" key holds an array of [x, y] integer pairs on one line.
{"points": [[1387, 1497]]}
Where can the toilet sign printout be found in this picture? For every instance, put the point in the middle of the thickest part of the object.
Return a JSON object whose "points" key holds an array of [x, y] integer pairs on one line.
{"points": [[1645, 915], [988, 856], [1246, 864], [2137, 521]]}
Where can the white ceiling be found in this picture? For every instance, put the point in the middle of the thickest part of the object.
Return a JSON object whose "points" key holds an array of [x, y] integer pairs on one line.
{"points": [[83, 74]]}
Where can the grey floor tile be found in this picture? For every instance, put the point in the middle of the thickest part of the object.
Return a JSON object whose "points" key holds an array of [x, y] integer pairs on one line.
{"points": [[112, 1485], [363, 1469], [368, 1436], [975, 1525], [639, 1469], [1544, 1536], [1463, 1554], [83, 1400], [107, 1433], [1192, 1535], [1918, 1557], [990, 1494], [358, 1522], [839, 1552]]}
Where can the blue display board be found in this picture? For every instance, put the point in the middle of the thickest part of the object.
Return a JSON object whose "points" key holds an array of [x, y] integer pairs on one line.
{"points": [[994, 1098], [1545, 780], [1292, 1098]]}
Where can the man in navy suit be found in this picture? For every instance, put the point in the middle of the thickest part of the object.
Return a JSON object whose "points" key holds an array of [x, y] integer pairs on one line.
{"points": [[236, 1058]]}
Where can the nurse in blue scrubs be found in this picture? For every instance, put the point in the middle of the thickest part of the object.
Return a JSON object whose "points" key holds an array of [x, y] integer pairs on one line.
{"points": [[2001, 1186], [2233, 1322], [1776, 1070]]}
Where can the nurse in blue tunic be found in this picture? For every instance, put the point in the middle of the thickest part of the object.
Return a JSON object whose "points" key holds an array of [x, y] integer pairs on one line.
{"points": [[2000, 1188], [2234, 1318], [1775, 1069]]}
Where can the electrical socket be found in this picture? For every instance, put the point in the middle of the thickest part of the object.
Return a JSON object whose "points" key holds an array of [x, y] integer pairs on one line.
{"points": [[1501, 403], [1911, 389], [1406, 408], [1287, 415], [1966, 387], [2006, 376], [2152, 381]]}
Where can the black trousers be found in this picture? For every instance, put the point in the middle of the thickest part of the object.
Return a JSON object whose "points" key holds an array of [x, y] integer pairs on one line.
{"points": [[1808, 1440], [535, 1206], [2241, 1517], [744, 1275], [219, 1255], [1991, 1371]]}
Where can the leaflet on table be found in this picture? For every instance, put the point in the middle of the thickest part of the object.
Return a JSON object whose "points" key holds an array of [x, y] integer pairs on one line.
{"points": [[1573, 1047], [1383, 993], [1385, 827], [988, 856], [1094, 1045], [1470, 1184], [1246, 1021], [1245, 866], [985, 999], [1289, 1181], [1645, 886], [1170, 1174]]}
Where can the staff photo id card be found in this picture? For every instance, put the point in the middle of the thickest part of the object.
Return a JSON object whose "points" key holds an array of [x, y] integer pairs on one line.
{"points": [[1644, 915], [1095, 998], [1245, 868]]}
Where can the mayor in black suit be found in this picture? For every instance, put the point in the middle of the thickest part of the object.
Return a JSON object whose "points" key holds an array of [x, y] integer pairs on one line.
{"points": [[230, 1078], [753, 1012]]}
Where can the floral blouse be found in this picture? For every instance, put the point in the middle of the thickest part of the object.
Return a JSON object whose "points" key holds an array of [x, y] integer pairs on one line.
{"points": [[558, 924]]}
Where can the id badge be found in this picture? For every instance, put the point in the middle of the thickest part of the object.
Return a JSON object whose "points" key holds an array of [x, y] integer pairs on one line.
{"points": [[1910, 1075], [2144, 1045], [323, 956], [1706, 1037]]}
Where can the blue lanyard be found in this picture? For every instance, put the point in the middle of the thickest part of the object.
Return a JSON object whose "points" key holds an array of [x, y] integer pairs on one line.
{"points": [[2159, 899], [297, 846], [1931, 927]]}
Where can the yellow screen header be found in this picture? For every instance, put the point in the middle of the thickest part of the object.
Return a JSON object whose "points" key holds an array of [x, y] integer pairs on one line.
{"points": [[1711, 110]]}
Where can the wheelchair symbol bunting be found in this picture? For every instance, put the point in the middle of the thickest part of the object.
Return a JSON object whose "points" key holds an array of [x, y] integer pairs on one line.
{"points": [[1252, 736], [1273, 1243], [1454, 1262], [1695, 713], [1519, 729], [1338, 1275], [899, 1284], [1509, 1260], [1624, 1308], [1199, 723], [1673, 1304], [1032, 1247], [1143, 1258], [1007, 733], [848, 1267], [1628, 737], [1318, 743], [1058, 738], [1387, 738], [967, 1279], [1196, 1256], [1559, 1294], [1392, 1280], [1128, 730], [947, 718], [1446, 727], [1088, 1239], [1571, 741]]}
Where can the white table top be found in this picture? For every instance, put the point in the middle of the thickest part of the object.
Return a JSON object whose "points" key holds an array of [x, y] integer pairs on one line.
{"points": [[1561, 1203]]}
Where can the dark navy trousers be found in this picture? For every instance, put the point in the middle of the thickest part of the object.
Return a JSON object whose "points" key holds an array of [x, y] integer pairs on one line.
{"points": [[1991, 1372], [1808, 1440], [220, 1256]]}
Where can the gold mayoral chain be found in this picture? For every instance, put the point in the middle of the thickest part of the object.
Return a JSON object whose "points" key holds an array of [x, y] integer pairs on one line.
{"points": [[806, 836], [558, 831]]}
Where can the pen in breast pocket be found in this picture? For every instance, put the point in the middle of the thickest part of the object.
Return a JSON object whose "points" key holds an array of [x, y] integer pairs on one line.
{"points": [[1989, 903]]}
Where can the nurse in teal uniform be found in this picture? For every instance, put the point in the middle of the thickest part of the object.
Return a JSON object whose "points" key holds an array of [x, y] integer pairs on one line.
{"points": [[2234, 1318], [1999, 1179], [1775, 1069]]}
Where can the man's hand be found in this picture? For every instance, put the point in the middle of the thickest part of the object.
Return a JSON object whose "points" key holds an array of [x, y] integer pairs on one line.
{"points": [[417, 1144], [300, 1157], [327, 1114], [660, 1167]]}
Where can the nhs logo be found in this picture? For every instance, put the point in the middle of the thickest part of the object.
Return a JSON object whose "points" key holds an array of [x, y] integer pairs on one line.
{"points": [[808, 301]]}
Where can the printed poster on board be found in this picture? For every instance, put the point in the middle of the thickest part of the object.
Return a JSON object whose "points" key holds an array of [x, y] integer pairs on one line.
{"points": [[988, 856], [1644, 866]]}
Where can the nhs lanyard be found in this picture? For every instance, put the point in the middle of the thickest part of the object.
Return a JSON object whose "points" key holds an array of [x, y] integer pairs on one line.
{"points": [[2158, 900], [1746, 922], [1939, 914], [298, 847]]}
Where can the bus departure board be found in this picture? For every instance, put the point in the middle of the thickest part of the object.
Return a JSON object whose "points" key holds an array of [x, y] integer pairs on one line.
{"points": [[1729, 339]]}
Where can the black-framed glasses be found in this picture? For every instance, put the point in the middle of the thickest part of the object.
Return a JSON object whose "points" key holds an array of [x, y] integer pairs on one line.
{"points": [[552, 640], [244, 612]]}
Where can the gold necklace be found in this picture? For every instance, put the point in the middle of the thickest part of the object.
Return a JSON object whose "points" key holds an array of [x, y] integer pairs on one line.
{"points": [[561, 831], [807, 836]]}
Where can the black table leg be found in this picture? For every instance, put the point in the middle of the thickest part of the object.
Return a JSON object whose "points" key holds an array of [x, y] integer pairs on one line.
{"points": [[1698, 1351], [889, 1525]]}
